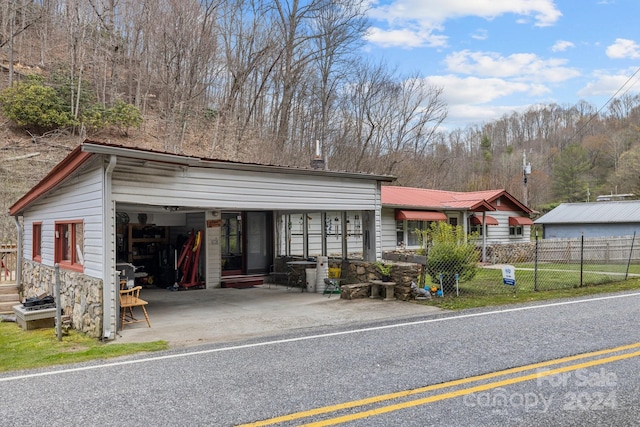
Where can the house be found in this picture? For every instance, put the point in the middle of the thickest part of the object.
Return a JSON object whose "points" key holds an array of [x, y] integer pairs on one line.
{"points": [[594, 219], [105, 206], [495, 215]]}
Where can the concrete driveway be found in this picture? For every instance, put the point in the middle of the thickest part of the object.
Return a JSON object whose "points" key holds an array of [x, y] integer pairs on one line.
{"points": [[198, 316]]}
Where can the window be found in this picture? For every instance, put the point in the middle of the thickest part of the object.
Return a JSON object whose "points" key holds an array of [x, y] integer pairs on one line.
{"points": [[475, 228], [453, 221], [515, 231], [411, 239], [400, 233], [36, 250], [69, 247]]}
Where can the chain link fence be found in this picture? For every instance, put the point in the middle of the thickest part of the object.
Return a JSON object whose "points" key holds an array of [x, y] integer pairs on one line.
{"points": [[539, 265]]}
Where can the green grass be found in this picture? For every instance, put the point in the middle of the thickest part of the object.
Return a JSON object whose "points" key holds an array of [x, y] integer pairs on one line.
{"points": [[40, 347], [508, 296]]}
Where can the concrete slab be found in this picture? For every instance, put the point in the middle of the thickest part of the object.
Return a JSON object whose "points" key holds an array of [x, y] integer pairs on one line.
{"points": [[191, 317]]}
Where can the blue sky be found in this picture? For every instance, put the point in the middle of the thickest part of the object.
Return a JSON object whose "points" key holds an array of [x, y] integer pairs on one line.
{"points": [[493, 57]]}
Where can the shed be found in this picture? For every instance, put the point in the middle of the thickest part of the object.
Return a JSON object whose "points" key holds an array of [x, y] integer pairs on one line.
{"points": [[591, 219], [107, 204]]}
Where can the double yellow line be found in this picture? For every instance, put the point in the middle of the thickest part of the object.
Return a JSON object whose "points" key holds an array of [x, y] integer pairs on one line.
{"points": [[455, 393]]}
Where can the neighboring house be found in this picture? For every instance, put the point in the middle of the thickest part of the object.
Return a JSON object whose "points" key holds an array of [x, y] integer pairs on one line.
{"points": [[596, 219], [106, 204], [495, 215]]}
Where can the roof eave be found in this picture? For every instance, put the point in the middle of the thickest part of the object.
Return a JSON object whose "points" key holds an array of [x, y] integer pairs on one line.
{"points": [[59, 173], [99, 148]]}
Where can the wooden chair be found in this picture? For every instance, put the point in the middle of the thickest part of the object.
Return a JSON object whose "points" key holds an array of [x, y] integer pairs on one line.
{"points": [[130, 298]]}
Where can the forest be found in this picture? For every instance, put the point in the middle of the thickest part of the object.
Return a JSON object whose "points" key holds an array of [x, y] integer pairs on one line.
{"points": [[262, 80]]}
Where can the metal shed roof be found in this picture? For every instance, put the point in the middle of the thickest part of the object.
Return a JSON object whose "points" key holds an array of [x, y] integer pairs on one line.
{"points": [[627, 211]]}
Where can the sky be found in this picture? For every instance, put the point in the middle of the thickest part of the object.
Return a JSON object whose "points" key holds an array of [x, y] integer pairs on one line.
{"points": [[494, 57]]}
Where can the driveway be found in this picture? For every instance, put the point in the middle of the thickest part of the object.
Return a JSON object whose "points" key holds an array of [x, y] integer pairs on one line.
{"points": [[198, 316]]}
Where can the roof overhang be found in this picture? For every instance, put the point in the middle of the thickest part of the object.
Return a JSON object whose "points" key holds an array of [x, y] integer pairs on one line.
{"points": [[420, 215], [520, 220], [59, 173], [489, 220], [178, 159]]}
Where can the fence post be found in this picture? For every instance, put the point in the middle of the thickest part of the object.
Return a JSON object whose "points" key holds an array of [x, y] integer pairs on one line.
{"points": [[58, 305], [535, 265], [633, 239], [581, 258]]}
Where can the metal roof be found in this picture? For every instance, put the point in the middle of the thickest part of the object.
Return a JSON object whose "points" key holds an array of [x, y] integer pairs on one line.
{"points": [[423, 198], [624, 211]]}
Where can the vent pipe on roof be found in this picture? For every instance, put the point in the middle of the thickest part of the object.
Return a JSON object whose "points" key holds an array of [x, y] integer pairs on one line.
{"points": [[318, 162]]}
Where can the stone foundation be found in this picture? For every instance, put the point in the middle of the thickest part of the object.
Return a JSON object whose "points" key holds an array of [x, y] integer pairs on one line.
{"points": [[80, 295]]}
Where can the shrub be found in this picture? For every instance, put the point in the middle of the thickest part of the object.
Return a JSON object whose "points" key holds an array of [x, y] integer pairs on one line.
{"points": [[450, 253], [31, 104]]}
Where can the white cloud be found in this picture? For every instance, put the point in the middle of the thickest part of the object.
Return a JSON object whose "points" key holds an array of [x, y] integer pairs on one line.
{"points": [[404, 38], [418, 20], [476, 91], [562, 45], [522, 66], [623, 48], [480, 34], [606, 84]]}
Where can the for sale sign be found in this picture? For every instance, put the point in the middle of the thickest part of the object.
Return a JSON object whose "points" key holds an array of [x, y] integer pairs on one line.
{"points": [[509, 275]]}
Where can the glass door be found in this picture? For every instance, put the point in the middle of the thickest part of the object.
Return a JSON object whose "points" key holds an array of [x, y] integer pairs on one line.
{"points": [[232, 250]]}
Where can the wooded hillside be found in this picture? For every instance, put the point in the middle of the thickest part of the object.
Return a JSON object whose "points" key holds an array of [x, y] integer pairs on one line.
{"points": [[261, 81]]}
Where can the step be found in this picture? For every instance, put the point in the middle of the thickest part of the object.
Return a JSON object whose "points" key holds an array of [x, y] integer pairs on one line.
{"points": [[7, 307], [241, 281], [9, 297], [8, 289]]}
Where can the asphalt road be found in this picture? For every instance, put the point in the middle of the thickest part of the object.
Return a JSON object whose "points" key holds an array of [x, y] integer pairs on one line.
{"points": [[571, 362]]}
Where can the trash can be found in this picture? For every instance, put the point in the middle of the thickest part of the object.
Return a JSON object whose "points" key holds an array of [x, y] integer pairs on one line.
{"points": [[310, 274], [322, 272]]}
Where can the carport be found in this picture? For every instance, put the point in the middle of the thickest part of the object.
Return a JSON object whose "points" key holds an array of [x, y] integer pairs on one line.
{"points": [[194, 317], [246, 216]]}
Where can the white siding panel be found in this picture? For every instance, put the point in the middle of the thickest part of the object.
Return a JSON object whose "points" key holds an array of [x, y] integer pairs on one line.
{"points": [[389, 238], [77, 198], [226, 189]]}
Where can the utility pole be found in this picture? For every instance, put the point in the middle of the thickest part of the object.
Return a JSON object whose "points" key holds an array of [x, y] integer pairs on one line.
{"points": [[526, 170]]}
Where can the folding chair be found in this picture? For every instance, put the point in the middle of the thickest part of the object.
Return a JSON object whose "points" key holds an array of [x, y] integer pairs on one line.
{"points": [[337, 278]]}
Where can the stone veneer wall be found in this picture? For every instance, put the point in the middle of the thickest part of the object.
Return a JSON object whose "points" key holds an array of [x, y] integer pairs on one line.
{"points": [[80, 295]]}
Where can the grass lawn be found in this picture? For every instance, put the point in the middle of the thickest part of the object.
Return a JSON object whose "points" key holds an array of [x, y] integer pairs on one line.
{"points": [[473, 295], [40, 347]]}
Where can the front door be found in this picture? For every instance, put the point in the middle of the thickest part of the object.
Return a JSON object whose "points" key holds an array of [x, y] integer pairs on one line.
{"points": [[259, 252], [247, 243], [231, 245]]}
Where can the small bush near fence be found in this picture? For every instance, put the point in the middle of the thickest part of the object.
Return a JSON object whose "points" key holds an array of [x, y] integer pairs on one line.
{"points": [[547, 265]]}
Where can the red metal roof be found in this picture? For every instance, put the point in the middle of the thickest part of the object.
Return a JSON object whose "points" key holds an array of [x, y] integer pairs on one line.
{"points": [[477, 220], [59, 173], [520, 220], [427, 199]]}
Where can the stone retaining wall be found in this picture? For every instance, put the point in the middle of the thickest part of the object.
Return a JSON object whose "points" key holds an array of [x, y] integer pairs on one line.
{"points": [[80, 295], [364, 272]]}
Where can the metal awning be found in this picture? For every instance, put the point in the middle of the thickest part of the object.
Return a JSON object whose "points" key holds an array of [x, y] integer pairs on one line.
{"points": [[420, 215], [520, 220], [477, 220]]}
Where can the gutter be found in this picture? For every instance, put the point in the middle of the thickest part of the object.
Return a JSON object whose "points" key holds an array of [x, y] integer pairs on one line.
{"points": [[109, 303]]}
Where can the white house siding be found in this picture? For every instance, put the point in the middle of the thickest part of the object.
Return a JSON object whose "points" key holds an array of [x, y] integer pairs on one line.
{"points": [[78, 198], [244, 190], [389, 238]]}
